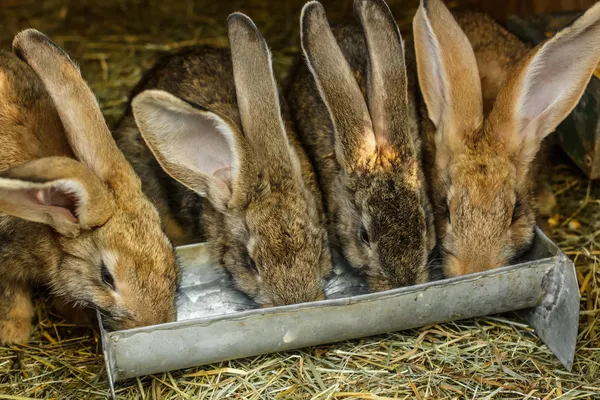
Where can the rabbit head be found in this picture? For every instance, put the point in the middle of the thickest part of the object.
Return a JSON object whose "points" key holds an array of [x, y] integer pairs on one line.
{"points": [[262, 220], [483, 168], [106, 250], [384, 221]]}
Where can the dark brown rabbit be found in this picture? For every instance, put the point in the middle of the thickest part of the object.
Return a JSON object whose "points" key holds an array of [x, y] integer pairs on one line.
{"points": [[73, 217], [237, 175], [491, 102], [353, 102]]}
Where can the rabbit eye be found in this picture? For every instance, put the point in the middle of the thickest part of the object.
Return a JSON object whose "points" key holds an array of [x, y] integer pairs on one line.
{"points": [[516, 212], [364, 236], [107, 277], [447, 211], [252, 264]]}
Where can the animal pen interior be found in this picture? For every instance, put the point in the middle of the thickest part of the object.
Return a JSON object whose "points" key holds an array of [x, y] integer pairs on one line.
{"points": [[114, 43]]}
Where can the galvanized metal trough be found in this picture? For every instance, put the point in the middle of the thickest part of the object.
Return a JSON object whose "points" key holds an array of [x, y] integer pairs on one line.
{"points": [[217, 323]]}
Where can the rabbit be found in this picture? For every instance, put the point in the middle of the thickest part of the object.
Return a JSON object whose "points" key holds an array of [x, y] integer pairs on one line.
{"points": [[353, 102], [237, 176], [490, 102], [73, 217]]}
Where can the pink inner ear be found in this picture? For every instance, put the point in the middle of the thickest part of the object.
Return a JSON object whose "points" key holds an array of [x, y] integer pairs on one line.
{"points": [[200, 142], [224, 176], [57, 200]]}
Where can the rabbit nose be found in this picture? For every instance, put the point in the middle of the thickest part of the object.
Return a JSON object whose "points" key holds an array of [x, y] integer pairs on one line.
{"points": [[157, 316], [454, 267], [379, 285], [300, 295], [320, 296], [458, 267]]}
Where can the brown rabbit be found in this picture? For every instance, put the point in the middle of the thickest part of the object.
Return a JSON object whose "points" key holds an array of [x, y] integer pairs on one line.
{"points": [[212, 119], [353, 102], [73, 216], [489, 115]]}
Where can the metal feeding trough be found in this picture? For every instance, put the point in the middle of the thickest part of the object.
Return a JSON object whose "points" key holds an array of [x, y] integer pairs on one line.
{"points": [[217, 323]]}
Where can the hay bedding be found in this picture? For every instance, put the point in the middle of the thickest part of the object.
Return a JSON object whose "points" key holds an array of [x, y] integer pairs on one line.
{"points": [[495, 357]]}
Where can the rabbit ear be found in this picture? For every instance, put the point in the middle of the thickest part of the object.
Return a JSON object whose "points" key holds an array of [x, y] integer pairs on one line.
{"points": [[547, 85], [257, 94], [84, 124], [355, 142], [195, 147], [387, 82], [55, 191], [448, 73]]}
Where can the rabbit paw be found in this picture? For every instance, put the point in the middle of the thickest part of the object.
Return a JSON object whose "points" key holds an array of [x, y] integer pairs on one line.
{"points": [[15, 331], [546, 201], [16, 313]]}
